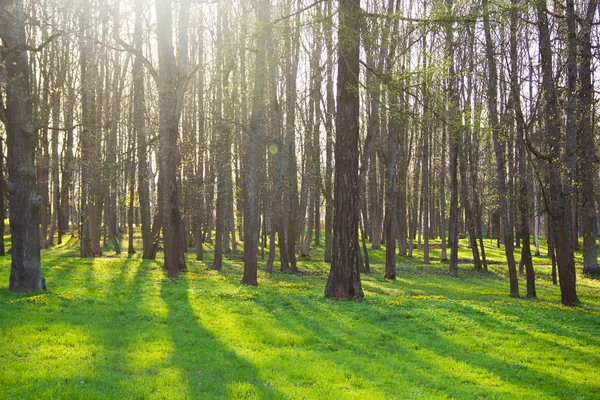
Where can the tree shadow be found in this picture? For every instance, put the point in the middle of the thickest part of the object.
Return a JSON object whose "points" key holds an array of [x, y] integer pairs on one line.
{"points": [[209, 367], [119, 329], [416, 351]]}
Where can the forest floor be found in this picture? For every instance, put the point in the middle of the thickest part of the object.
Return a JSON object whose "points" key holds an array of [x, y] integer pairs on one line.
{"points": [[115, 327]]}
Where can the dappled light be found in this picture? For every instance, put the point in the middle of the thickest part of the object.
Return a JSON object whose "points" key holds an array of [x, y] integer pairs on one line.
{"points": [[118, 327]]}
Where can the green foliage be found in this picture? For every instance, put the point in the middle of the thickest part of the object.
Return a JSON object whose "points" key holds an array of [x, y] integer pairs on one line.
{"points": [[116, 327]]}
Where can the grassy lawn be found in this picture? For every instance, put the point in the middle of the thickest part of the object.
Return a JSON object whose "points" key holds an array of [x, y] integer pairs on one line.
{"points": [[117, 328]]}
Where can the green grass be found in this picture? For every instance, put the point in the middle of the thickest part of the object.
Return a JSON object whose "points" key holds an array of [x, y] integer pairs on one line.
{"points": [[117, 328]]}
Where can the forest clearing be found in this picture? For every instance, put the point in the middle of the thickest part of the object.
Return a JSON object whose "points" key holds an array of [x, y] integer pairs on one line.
{"points": [[322, 199], [117, 327]]}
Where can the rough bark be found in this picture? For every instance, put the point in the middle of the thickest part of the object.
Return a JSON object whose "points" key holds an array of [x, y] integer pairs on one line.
{"points": [[171, 86], [344, 276], [24, 199], [559, 200]]}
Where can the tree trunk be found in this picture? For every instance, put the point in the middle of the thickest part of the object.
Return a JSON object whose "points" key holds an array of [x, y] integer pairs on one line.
{"points": [[329, 133], [131, 207], [560, 200], [56, 103], [443, 234], [292, 43], [86, 142], [587, 148], [2, 188], [170, 95], [344, 276], [455, 130], [43, 166], [515, 100], [67, 167], [222, 145], [570, 159], [139, 126], [500, 163], [251, 211], [24, 199]]}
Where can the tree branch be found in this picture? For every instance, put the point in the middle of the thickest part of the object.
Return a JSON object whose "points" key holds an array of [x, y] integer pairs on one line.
{"points": [[21, 48], [299, 11], [127, 47]]}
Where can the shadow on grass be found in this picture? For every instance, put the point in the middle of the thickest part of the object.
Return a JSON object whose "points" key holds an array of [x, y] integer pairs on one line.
{"points": [[122, 331], [411, 348], [208, 366]]}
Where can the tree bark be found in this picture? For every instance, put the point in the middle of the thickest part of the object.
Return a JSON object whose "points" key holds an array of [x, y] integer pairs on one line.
{"points": [[292, 43], [139, 126], [455, 130], [24, 199], [507, 228], [560, 200], [251, 211], [329, 133], [344, 276], [526, 259], [586, 144]]}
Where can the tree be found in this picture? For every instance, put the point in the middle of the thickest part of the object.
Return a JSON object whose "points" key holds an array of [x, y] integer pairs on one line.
{"points": [[172, 81], [515, 99], [24, 199], [507, 228], [344, 275], [455, 130], [559, 201], [329, 116], [139, 127], [223, 138], [251, 211], [586, 145]]}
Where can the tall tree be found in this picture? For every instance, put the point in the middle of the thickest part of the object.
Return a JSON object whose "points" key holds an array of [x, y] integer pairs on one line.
{"points": [[455, 132], [515, 99], [292, 53], [344, 275], [251, 211], [507, 228], [139, 127], [222, 133], [172, 81], [559, 206], [329, 116], [86, 66], [23, 196], [586, 145]]}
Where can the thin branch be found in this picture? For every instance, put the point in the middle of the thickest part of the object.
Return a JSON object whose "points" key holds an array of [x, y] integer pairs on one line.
{"points": [[299, 11], [127, 47], [25, 47]]}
